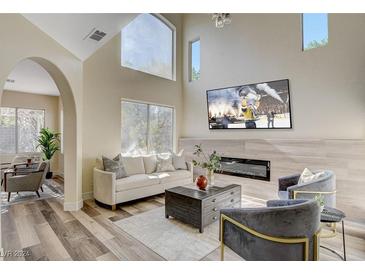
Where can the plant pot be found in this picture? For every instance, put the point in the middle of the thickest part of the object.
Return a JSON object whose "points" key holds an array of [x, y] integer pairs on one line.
{"points": [[49, 175]]}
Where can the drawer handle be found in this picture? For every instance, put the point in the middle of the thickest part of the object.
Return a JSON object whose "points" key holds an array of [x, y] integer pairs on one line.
{"points": [[215, 218], [215, 209], [213, 200], [232, 192], [232, 200]]}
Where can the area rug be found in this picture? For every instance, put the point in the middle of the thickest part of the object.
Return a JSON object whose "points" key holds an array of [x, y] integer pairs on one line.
{"points": [[172, 239]]}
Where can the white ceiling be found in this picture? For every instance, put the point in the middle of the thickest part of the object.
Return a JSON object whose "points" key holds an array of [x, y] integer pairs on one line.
{"points": [[30, 77], [70, 30]]}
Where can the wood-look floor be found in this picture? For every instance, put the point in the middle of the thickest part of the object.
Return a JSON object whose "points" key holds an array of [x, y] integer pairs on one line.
{"points": [[43, 231]]}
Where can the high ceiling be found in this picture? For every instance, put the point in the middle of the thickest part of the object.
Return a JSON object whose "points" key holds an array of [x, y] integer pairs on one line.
{"points": [[72, 30], [30, 77]]}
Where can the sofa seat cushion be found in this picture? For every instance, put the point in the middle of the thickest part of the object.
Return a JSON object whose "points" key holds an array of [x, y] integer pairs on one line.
{"points": [[136, 181], [168, 177]]}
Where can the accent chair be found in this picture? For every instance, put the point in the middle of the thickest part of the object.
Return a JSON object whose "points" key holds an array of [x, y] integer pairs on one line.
{"points": [[290, 188], [285, 230]]}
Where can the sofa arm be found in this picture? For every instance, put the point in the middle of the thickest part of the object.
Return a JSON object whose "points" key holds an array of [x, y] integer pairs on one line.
{"points": [[287, 181], [104, 186]]}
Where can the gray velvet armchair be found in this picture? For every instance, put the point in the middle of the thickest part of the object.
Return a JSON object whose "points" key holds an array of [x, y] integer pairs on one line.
{"points": [[285, 230], [31, 181], [324, 185]]}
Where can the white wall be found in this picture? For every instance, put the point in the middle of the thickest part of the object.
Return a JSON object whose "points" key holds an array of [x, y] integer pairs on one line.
{"points": [[105, 84], [35, 101], [326, 84]]}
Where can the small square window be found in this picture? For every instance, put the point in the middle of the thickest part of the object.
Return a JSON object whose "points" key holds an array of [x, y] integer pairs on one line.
{"points": [[315, 30], [195, 60]]}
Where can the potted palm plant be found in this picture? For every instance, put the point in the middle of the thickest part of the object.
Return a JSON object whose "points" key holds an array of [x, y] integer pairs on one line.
{"points": [[49, 142]]}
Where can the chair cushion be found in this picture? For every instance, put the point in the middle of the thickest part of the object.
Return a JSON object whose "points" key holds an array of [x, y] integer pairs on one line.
{"points": [[136, 181], [150, 163], [164, 163], [133, 165], [167, 177]]}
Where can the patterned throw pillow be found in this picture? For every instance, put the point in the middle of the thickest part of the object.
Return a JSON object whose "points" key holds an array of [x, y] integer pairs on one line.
{"points": [[164, 163], [114, 166]]}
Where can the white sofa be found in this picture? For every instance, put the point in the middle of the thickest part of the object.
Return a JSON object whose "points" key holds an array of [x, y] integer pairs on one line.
{"points": [[111, 191]]}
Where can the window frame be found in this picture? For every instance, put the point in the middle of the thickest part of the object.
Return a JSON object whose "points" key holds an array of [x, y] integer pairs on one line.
{"points": [[190, 62], [17, 130], [172, 27], [302, 33], [173, 137]]}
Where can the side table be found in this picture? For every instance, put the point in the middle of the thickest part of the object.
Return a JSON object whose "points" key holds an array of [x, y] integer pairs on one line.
{"points": [[332, 216]]}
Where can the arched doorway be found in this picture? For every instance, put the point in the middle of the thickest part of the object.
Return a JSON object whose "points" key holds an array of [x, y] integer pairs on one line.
{"points": [[72, 175]]}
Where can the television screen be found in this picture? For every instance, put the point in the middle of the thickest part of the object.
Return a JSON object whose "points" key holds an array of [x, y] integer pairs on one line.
{"points": [[263, 106]]}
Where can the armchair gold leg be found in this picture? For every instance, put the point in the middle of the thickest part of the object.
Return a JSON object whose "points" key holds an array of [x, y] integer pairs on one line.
{"points": [[114, 207], [221, 238]]}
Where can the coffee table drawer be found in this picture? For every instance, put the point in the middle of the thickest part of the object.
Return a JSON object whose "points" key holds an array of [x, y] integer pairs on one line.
{"points": [[223, 196], [226, 203], [210, 218]]}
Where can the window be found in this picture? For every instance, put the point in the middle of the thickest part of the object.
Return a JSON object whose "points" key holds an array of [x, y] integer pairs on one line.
{"points": [[146, 128], [7, 130], [195, 60], [19, 129], [315, 30], [148, 45]]}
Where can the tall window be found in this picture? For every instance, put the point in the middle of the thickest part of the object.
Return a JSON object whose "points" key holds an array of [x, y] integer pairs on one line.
{"points": [[315, 30], [7, 130], [146, 128], [195, 60], [19, 129], [148, 45]]}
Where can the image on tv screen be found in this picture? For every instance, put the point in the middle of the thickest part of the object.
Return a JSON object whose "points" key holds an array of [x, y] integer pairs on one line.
{"points": [[263, 106]]}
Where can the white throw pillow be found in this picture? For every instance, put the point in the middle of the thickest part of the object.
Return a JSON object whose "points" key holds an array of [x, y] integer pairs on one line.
{"points": [[150, 163], [164, 163], [308, 176], [133, 165], [178, 160]]}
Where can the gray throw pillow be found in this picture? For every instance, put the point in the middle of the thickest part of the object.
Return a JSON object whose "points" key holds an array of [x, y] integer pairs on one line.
{"points": [[114, 166]]}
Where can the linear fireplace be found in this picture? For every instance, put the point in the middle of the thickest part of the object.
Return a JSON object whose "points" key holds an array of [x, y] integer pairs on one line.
{"points": [[254, 169]]}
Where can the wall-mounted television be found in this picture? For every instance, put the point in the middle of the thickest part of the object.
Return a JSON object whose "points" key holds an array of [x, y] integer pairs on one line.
{"points": [[254, 106]]}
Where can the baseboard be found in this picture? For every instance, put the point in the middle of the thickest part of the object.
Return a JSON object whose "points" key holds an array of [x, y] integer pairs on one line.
{"points": [[73, 206], [87, 195]]}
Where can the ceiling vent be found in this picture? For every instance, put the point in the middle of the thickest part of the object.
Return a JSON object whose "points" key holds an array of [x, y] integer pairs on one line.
{"points": [[96, 35]]}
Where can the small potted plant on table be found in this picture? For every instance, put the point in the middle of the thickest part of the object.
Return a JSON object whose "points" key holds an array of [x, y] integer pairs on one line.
{"points": [[211, 163]]}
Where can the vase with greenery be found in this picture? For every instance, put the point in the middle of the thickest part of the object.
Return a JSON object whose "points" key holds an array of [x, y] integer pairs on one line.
{"points": [[211, 162], [49, 142]]}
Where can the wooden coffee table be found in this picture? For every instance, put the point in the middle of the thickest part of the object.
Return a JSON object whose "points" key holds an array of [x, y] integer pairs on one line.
{"points": [[200, 208]]}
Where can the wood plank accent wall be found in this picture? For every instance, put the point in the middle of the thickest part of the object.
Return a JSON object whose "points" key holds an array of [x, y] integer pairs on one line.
{"points": [[345, 157]]}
